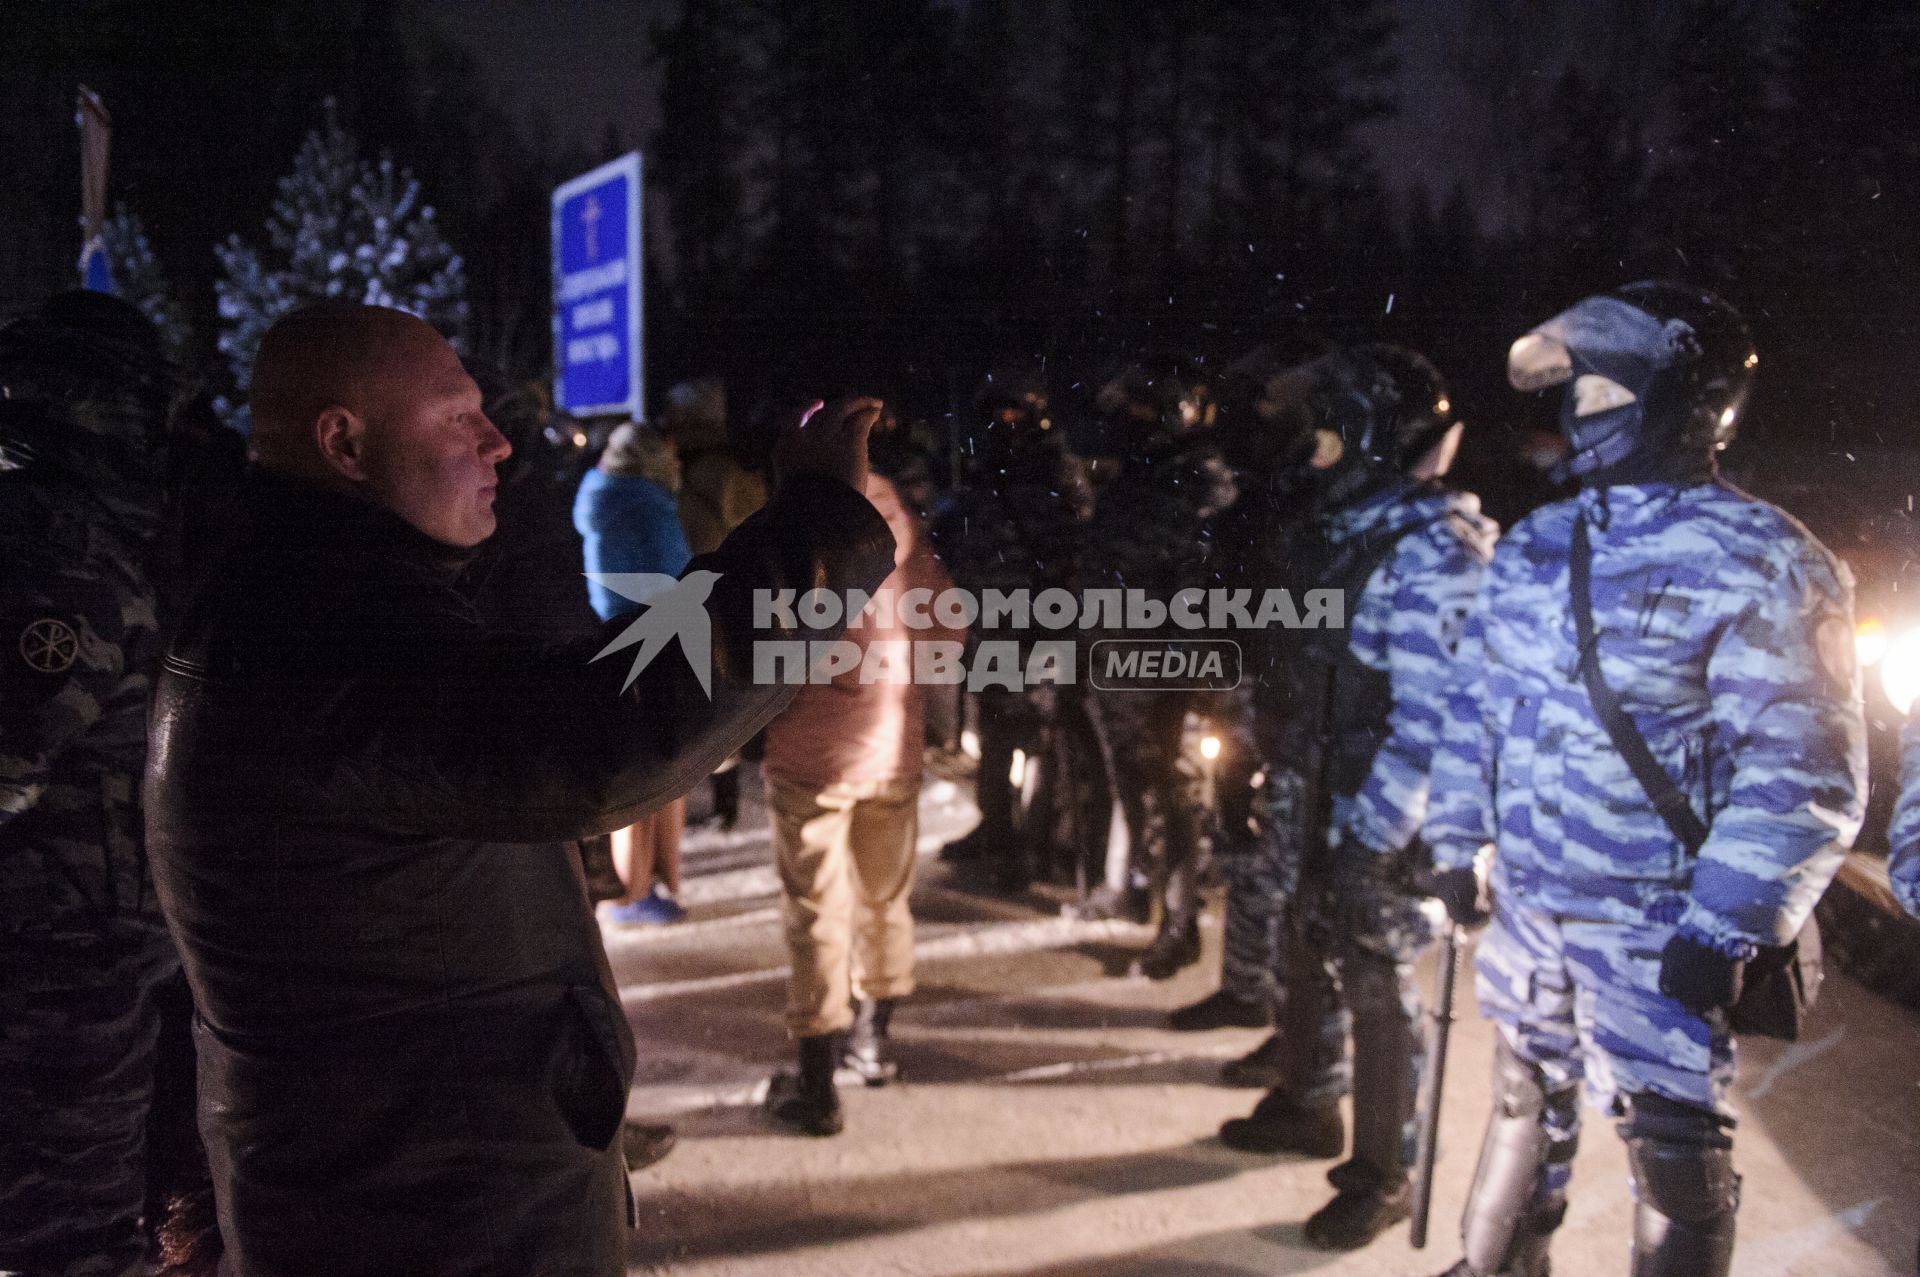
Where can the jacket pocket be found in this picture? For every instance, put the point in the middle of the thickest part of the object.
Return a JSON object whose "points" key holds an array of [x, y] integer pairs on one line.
{"points": [[590, 1073]]}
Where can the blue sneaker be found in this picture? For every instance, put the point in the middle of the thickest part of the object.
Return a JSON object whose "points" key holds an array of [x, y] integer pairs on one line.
{"points": [[655, 909]]}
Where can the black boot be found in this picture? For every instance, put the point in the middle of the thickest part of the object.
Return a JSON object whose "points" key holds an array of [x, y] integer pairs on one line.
{"points": [[1259, 1069], [1278, 1125], [867, 1052], [1374, 1190], [644, 1143], [1176, 948], [807, 1101], [970, 846], [1220, 1010], [1367, 1204], [1529, 1260]]}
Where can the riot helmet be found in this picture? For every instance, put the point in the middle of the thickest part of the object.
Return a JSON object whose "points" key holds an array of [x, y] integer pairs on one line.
{"points": [[93, 386], [1011, 413], [1350, 423], [1150, 407], [1656, 375]]}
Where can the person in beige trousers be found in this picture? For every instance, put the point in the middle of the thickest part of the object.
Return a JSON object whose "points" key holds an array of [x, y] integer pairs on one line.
{"points": [[843, 786]]}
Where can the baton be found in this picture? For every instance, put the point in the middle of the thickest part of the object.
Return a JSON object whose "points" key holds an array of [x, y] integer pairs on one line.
{"points": [[1439, 1029]]}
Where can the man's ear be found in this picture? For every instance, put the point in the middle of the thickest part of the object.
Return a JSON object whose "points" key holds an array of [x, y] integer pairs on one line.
{"points": [[341, 435], [1438, 459]]}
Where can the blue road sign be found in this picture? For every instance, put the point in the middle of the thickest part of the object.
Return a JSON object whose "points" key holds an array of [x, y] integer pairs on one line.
{"points": [[596, 291]]}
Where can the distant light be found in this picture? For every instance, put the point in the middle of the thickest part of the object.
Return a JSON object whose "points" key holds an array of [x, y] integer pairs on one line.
{"points": [[1444, 406], [1726, 418], [1753, 360], [1870, 642], [1900, 671], [970, 744], [1209, 747], [1017, 774]]}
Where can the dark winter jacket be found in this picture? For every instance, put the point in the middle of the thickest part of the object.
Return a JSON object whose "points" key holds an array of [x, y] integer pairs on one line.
{"points": [[1152, 525], [413, 1057]]}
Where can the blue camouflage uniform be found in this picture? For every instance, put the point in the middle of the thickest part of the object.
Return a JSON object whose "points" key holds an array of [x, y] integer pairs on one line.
{"points": [[1725, 629], [82, 944], [1360, 923], [1903, 836]]}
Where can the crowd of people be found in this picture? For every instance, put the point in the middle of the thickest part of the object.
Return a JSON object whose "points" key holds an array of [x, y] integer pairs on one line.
{"points": [[313, 763]]}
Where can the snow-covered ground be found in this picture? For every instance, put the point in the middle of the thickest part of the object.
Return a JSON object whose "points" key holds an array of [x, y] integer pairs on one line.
{"points": [[1048, 1123]]}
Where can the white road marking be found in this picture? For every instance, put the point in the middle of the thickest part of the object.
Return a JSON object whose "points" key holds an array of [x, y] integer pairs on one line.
{"points": [[618, 938], [1016, 937], [1793, 1057], [1115, 1064]]}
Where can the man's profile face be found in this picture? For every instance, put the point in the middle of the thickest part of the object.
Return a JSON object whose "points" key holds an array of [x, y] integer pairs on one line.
{"points": [[431, 451]]}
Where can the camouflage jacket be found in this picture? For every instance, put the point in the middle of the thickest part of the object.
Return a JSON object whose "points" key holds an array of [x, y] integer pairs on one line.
{"points": [[1903, 838], [1726, 631], [1405, 626], [77, 642]]}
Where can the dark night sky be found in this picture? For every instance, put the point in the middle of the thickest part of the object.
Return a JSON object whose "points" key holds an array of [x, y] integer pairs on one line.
{"points": [[580, 63], [583, 63]]}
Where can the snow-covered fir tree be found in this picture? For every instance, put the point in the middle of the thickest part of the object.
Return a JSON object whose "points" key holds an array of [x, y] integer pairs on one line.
{"points": [[341, 227], [137, 277]]}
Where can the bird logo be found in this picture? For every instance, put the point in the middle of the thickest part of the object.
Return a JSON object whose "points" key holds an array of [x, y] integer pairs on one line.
{"points": [[674, 608]]}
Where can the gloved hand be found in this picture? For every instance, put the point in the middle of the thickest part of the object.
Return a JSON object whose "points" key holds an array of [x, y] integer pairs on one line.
{"points": [[1461, 891], [1699, 977]]}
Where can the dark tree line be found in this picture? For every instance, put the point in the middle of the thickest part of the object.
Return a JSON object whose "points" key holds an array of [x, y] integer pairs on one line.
{"points": [[942, 186]]}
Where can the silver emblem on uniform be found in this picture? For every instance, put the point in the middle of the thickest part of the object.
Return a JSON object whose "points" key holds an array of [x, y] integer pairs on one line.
{"points": [[49, 646]]}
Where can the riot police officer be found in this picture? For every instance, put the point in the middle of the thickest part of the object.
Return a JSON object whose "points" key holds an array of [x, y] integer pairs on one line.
{"points": [[1150, 533], [1017, 524], [1260, 870], [1718, 633], [83, 948], [1348, 720]]}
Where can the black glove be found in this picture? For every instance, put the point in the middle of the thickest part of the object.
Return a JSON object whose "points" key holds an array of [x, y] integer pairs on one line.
{"points": [[1698, 977], [1461, 892]]}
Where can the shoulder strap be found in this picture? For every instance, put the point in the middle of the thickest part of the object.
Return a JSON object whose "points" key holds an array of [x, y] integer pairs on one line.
{"points": [[1621, 729]]}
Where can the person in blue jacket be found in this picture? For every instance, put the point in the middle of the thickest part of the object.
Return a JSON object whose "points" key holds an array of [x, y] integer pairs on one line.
{"points": [[629, 522]]}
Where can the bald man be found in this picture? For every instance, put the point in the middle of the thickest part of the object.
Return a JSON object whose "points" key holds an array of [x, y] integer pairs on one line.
{"points": [[413, 1057]]}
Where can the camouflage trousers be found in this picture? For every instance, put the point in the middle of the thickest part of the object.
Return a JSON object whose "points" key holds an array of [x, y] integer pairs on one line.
{"points": [[1581, 1002], [78, 1022], [1158, 790], [1259, 863], [1346, 975]]}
